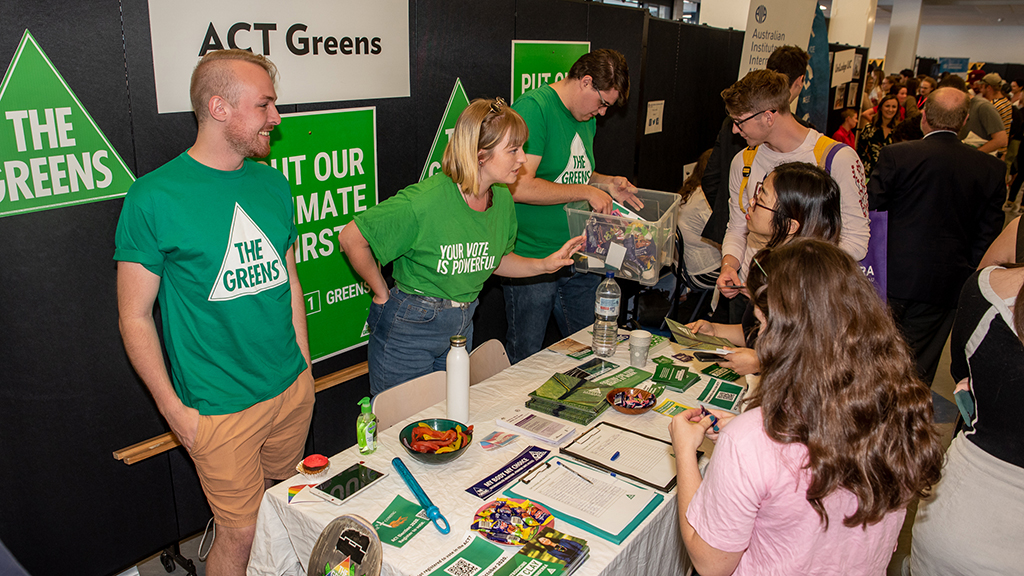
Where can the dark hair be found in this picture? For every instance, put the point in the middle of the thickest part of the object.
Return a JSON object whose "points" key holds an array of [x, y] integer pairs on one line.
{"points": [[837, 377], [909, 129], [878, 117], [789, 60], [907, 72], [808, 195], [758, 90], [608, 68], [952, 81], [894, 83], [912, 84], [693, 182]]}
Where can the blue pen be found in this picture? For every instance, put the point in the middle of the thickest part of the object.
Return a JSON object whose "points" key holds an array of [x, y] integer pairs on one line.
{"points": [[615, 456], [573, 472], [714, 419]]}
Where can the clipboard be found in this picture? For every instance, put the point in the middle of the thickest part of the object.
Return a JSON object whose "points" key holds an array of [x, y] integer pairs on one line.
{"points": [[629, 447], [616, 538]]}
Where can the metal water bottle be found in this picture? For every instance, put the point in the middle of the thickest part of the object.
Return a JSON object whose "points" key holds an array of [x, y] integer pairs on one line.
{"points": [[457, 366]]}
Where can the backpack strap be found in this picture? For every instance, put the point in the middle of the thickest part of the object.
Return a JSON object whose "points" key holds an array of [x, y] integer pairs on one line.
{"points": [[1018, 254], [748, 161], [825, 150]]}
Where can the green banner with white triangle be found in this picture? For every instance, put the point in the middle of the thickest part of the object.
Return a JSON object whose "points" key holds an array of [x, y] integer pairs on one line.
{"points": [[457, 102], [52, 153]]}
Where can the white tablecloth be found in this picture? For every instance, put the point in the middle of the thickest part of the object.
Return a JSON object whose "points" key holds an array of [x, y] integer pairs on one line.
{"points": [[285, 533]]}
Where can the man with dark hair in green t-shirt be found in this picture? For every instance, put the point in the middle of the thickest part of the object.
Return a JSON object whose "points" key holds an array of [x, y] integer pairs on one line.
{"points": [[208, 234], [560, 169]]}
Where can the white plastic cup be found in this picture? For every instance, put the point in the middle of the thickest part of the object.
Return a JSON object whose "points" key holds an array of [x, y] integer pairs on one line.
{"points": [[639, 346]]}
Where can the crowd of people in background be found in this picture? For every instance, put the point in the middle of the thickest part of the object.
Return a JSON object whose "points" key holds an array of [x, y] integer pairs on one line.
{"points": [[939, 158]]}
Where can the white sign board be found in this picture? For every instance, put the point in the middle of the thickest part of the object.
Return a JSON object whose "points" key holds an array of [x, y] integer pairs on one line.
{"points": [[655, 113], [324, 51], [842, 67], [774, 23]]}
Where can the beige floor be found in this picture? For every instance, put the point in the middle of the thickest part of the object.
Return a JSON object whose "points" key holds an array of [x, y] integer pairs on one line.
{"points": [[943, 386]]}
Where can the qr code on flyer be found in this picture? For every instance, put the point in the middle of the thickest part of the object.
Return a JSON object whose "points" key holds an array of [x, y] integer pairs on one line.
{"points": [[462, 567]]}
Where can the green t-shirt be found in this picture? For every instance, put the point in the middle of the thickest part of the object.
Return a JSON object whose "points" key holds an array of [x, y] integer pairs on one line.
{"points": [[566, 148], [218, 242], [440, 246]]}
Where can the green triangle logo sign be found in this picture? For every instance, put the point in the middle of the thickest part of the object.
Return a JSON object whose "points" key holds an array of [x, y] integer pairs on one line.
{"points": [[457, 102], [52, 153]]}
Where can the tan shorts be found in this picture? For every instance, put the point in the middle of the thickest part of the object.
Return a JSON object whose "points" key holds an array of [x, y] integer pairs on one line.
{"points": [[233, 453]]}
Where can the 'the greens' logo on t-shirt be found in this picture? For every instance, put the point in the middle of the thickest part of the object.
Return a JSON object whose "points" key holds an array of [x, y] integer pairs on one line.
{"points": [[578, 169], [251, 263]]}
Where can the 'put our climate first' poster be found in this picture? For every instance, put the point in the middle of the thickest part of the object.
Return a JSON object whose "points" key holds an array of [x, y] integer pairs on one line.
{"points": [[330, 160], [536, 63]]}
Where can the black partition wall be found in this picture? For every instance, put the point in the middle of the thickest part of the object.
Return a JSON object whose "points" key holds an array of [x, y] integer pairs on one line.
{"points": [[69, 397]]}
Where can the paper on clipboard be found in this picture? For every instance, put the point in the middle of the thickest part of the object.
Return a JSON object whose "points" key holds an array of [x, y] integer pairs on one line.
{"points": [[631, 454], [605, 502]]}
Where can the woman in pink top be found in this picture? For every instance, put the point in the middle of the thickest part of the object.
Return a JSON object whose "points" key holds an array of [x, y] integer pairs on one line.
{"points": [[815, 477]]}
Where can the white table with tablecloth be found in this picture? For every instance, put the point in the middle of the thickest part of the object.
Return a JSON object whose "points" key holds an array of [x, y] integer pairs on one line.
{"points": [[286, 533]]}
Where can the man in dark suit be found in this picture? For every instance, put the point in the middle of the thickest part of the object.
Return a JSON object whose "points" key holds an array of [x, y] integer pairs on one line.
{"points": [[944, 201]]}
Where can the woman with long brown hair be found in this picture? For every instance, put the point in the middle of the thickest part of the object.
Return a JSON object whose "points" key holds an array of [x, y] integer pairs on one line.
{"points": [[878, 133], [816, 475]]}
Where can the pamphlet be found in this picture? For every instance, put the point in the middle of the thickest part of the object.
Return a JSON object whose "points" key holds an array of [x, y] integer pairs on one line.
{"points": [[472, 556], [592, 368], [692, 342], [720, 372], [400, 521], [626, 378], [572, 348], [548, 553], [670, 408], [532, 424], [722, 395]]}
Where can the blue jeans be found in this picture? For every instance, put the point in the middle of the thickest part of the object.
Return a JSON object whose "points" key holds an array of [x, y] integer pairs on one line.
{"points": [[529, 303], [409, 337]]}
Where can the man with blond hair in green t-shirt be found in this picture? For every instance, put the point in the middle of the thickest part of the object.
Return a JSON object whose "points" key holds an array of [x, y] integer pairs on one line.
{"points": [[208, 234], [560, 169]]}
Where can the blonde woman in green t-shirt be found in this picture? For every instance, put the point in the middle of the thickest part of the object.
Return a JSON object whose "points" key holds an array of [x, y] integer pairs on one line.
{"points": [[446, 235]]}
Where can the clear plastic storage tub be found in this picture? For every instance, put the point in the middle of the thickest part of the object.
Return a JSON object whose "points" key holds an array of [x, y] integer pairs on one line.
{"points": [[634, 248]]}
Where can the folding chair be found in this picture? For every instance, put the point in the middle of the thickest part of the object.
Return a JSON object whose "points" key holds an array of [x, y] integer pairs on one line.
{"points": [[486, 360], [398, 403]]}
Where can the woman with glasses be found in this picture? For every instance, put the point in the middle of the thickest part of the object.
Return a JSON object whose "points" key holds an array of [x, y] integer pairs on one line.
{"points": [[874, 136], [446, 235], [795, 200], [815, 476]]}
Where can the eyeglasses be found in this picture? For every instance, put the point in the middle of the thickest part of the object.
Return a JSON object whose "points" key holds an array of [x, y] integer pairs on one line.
{"points": [[601, 98], [498, 105], [737, 123], [757, 194]]}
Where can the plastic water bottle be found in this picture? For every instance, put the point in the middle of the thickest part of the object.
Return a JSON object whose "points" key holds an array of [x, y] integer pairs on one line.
{"points": [[606, 317], [457, 367]]}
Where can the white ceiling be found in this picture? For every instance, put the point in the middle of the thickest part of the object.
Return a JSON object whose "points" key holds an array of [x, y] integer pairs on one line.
{"points": [[962, 12]]}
